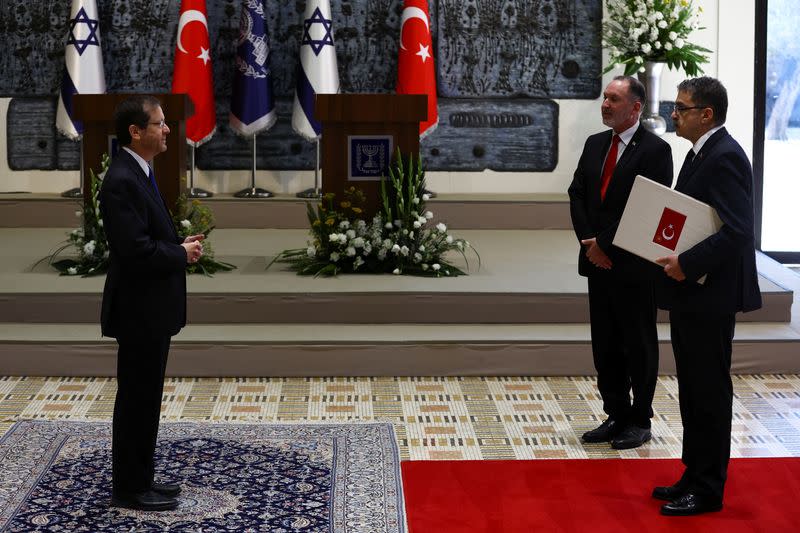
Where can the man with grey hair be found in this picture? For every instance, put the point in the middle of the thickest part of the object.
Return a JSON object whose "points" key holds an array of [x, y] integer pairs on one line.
{"points": [[621, 286]]}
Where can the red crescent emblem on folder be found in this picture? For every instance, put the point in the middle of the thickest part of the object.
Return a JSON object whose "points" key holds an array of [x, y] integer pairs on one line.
{"points": [[668, 232]]}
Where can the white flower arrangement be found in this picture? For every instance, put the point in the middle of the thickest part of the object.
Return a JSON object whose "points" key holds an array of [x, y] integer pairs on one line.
{"points": [[652, 30], [91, 245], [400, 239]]}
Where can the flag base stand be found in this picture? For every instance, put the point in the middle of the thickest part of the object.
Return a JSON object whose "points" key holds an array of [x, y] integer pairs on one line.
{"points": [[196, 192], [310, 194], [253, 192], [73, 193]]}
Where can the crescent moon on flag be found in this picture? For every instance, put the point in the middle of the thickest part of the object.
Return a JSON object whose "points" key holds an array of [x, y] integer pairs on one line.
{"points": [[671, 235], [191, 15], [411, 13]]}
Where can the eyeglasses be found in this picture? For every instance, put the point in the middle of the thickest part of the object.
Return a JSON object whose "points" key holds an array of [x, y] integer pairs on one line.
{"points": [[160, 124], [681, 108]]}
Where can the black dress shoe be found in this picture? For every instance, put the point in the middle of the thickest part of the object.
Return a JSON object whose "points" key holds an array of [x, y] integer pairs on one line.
{"points": [[166, 489], [631, 437], [604, 432], [148, 500], [671, 493], [690, 504]]}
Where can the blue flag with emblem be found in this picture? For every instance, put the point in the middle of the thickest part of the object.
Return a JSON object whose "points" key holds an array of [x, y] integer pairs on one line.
{"points": [[317, 72], [252, 101]]}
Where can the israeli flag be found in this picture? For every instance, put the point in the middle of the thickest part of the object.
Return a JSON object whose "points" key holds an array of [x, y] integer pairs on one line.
{"points": [[252, 103], [84, 72], [317, 72]]}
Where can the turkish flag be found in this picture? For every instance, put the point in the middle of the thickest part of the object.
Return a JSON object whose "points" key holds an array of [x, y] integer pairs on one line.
{"points": [[668, 232], [192, 71], [415, 70]]}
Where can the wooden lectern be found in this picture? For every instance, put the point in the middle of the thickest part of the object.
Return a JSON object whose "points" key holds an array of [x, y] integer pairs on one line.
{"points": [[357, 129], [96, 111]]}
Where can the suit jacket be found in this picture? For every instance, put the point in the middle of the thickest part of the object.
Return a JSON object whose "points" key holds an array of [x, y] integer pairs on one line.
{"points": [[646, 154], [145, 289], [721, 176]]}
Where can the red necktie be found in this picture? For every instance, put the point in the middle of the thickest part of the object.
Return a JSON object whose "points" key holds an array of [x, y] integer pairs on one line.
{"points": [[608, 167]]}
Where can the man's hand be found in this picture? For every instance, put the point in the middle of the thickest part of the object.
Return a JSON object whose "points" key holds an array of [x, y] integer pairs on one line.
{"points": [[193, 247], [596, 254], [672, 267]]}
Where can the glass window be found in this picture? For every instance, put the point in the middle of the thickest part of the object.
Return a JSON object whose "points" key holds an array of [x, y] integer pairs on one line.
{"points": [[780, 230]]}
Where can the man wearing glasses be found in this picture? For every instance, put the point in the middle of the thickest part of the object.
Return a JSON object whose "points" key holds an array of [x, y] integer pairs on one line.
{"points": [[622, 304], [144, 299], [702, 316]]}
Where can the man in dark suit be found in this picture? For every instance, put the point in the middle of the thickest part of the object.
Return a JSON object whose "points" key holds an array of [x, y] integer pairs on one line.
{"points": [[144, 299], [621, 293], [702, 316]]}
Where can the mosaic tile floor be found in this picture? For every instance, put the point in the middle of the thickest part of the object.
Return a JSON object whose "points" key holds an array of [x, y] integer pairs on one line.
{"points": [[434, 417]]}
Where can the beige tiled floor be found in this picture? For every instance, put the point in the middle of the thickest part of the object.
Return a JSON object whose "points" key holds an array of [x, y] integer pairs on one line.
{"points": [[434, 417]]}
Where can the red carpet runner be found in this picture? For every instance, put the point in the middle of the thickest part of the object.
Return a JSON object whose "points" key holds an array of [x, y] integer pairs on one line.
{"points": [[591, 495]]}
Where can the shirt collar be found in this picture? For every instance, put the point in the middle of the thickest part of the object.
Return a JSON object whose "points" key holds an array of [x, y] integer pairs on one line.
{"points": [[626, 136], [702, 140], [139, 159]]}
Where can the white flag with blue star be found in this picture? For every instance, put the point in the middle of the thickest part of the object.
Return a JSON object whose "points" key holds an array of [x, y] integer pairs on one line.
{"points": [[252, 102], [317, 72], [84, 73]]}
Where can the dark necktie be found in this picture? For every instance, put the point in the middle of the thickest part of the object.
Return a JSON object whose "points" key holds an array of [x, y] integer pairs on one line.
{"points": [[687, 164], [608, 167], [152, 177]]}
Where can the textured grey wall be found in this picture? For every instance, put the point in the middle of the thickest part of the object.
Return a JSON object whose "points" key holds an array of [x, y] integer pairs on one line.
{"points": [[496, 60]]}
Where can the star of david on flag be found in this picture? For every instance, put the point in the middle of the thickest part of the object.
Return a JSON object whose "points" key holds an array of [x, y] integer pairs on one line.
{"points": [[252, 102], [83, 57], [416, 73], [192, 72], [317, 72]]}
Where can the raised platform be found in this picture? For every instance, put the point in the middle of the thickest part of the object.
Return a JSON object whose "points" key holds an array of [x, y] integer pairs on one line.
{"points": [[524, 312], [464, 211]]}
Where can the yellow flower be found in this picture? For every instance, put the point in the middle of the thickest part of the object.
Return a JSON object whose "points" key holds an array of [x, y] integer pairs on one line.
{"points": [[345, 205], [330, 222], [316, 223], [357, 210]]}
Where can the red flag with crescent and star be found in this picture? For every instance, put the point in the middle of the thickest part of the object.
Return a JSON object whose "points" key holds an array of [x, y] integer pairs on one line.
{"points": [[669, 229], [192, 73], [415, 68]]}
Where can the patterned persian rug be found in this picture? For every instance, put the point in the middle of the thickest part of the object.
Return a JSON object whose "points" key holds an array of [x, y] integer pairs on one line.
{"points": [[56, 476]]}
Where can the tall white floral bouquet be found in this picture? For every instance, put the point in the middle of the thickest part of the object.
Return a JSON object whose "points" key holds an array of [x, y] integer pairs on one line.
{"points": [[652, 30], [400, 239]]}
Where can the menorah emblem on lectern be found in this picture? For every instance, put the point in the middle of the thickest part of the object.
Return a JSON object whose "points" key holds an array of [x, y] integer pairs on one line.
{"points": [[369, 150]]}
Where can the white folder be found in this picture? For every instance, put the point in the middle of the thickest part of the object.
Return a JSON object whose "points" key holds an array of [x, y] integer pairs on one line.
{"points": [[640, 220]]}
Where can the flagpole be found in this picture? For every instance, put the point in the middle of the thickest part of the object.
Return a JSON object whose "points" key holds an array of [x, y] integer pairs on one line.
{"points": [[77, 192], [316, 190], [253, 191], [193, 191]]}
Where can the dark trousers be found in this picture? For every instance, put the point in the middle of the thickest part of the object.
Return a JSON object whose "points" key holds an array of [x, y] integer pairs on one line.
{"points": [[702, 343], [140, 383], [625, 347]]}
